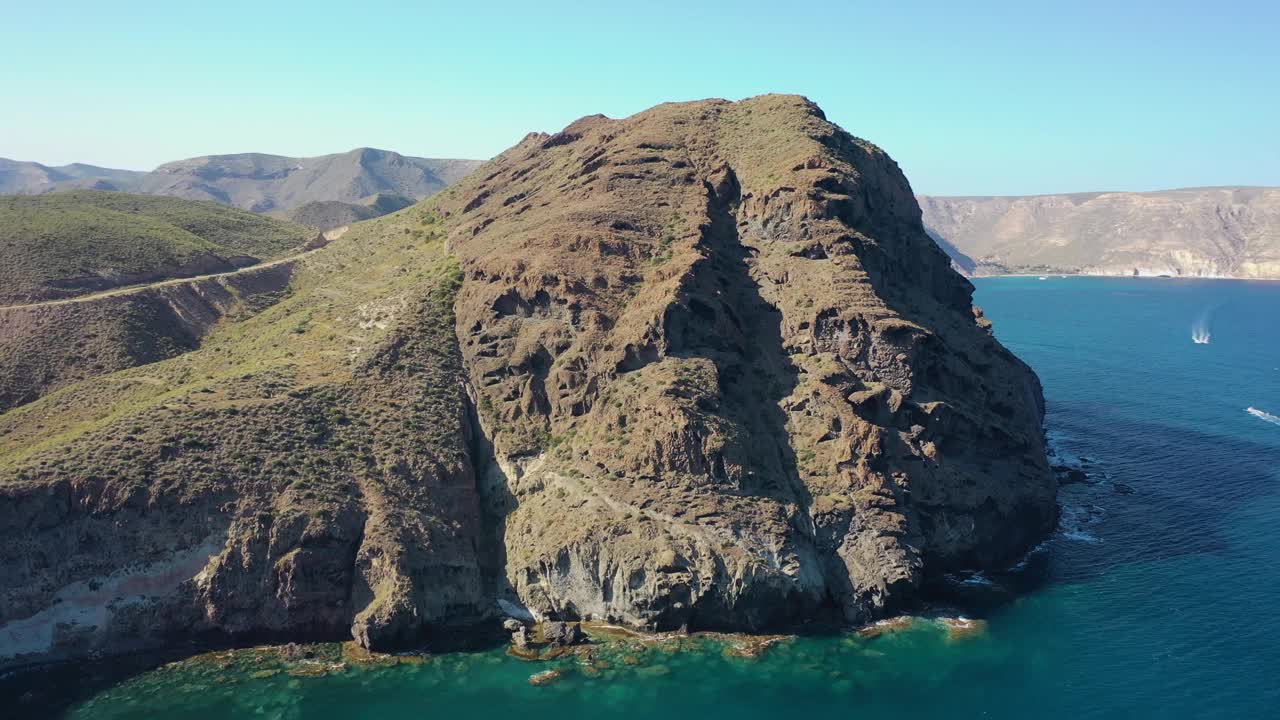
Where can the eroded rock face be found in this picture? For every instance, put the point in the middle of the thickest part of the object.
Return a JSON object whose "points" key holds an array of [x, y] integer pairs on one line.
{"points": [[317, 514], [729, 380]]}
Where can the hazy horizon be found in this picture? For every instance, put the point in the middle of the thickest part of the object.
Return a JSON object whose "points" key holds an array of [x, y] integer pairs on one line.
{"points": [[1143, 97], [967, 195]]}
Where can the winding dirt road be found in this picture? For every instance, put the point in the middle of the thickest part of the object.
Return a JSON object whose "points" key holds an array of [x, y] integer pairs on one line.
{"points": [[329, 236]]}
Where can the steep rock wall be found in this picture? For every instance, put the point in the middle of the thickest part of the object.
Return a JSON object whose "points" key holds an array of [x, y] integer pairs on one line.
{"points": [[730, 380]]}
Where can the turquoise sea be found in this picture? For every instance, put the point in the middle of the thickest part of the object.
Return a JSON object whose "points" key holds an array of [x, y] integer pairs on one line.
{"points": [[1159, 597]]}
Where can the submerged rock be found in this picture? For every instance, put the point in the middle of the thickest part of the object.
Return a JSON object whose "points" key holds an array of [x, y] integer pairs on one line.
{"points": [[888, 625], [962, 628], [562, 634], [752, 646], [1068, 475], [524, 652], [545, 677], [354, 653]]}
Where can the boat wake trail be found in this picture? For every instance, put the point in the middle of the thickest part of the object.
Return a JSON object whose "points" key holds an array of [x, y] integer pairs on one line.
{"points": [[1200, 329], [1263, 415]]}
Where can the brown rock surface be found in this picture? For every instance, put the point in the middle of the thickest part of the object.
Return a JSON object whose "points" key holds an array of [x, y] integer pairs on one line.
{"points": [[728, 378]]}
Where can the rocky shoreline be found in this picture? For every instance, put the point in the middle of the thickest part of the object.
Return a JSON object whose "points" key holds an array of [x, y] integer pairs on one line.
{"points": [[598, 651]]}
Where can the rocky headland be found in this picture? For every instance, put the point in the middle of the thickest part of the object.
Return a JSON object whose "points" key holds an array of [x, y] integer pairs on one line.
{"points": [[700, 368]]}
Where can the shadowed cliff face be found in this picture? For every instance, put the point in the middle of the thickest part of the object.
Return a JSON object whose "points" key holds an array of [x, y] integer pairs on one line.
{"points": [[699, 367], [729, 379]]}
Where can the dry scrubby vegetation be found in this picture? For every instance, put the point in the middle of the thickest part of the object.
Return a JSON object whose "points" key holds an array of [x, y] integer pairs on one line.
{"points": [[322, 430], [57, 236], [277, 373], [46, 348]]}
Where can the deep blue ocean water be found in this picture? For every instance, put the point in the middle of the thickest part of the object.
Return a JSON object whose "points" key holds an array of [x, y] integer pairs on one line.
{"points": [[1159, 597]]}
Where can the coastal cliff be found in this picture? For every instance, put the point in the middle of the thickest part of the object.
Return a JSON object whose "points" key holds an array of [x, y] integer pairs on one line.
{"points": [[701, 367], [716, 335], [1223, 232]]}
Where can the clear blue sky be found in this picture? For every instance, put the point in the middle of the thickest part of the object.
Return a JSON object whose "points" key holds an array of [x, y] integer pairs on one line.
{"points": [[970, 98]]}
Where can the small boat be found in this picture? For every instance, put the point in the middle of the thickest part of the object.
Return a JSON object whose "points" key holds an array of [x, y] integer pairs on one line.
{"points": [[1043, 277], [1263, 415]]}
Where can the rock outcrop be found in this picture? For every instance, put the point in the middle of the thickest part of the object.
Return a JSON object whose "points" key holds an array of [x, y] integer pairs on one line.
{"points": [[729, 380], [1231, 232], [697, 368]]}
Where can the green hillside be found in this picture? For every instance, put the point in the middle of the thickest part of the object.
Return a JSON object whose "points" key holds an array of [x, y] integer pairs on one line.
{"points": [[329, 214], [330, 326], [68, 243], [329, 421]]}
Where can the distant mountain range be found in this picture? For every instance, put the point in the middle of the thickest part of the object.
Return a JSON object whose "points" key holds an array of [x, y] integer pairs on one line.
{"points": [[256, 181], [1196, 232], [28, 178]]}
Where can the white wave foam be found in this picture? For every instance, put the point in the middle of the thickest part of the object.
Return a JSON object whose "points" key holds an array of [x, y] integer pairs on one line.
{"points": [[1200, 334], [1081, 536], [1060, 444], [1263, 415], [1022, 564], [1074, 520], [978, 578]]}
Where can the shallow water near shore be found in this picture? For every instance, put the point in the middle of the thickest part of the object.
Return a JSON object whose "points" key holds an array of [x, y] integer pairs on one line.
{"points": [[1156, 597]]}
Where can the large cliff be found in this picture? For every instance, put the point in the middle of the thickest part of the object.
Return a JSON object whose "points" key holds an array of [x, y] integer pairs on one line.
{"points": [[700, 367], [716, 335], [1196, 232]]}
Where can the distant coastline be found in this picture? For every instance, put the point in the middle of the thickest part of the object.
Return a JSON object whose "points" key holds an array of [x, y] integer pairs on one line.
{"points": [[1228, 232], [1048, 275]]}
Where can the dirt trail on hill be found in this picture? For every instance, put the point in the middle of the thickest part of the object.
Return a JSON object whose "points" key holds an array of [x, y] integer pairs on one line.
{"points": [[329, 236]]}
